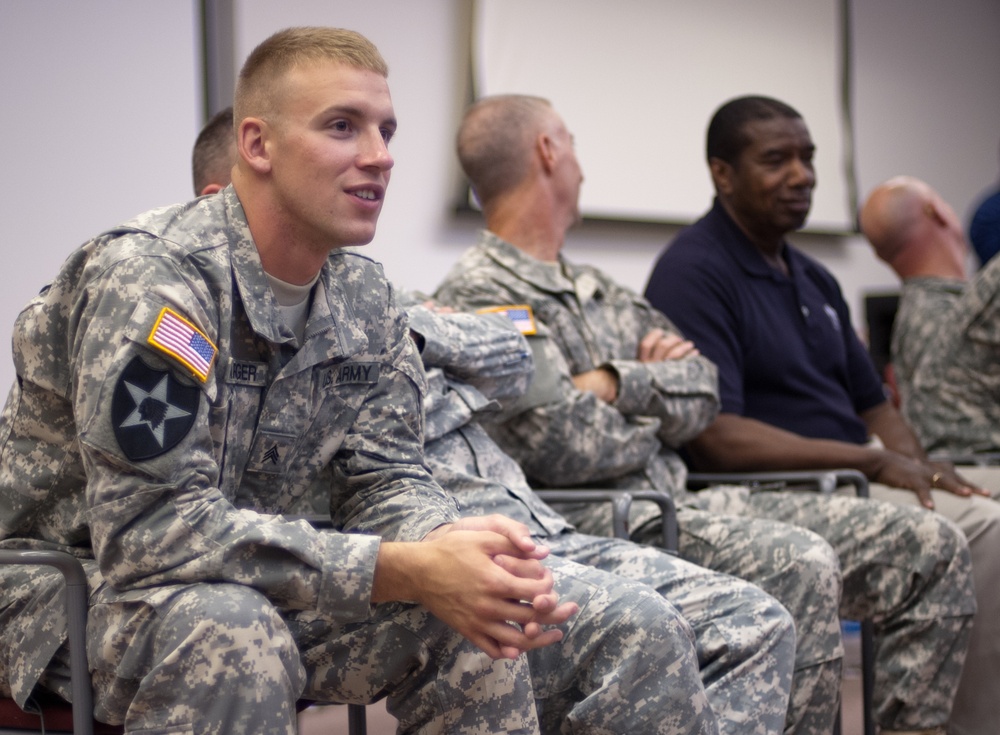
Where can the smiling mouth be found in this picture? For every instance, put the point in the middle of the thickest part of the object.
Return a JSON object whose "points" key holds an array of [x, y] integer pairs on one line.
{"points": [[798, 203], [366, 194]]}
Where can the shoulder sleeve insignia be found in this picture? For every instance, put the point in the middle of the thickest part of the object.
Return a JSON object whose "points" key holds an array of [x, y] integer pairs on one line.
{"points": [[520, 314], [151, 411], [179, 338]]}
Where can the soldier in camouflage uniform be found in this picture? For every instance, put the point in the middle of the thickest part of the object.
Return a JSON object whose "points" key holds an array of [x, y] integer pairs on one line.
{"points": [[633, 667], [638, 391], [945, 348], [630, 649], [177, 391], [946, 335]]}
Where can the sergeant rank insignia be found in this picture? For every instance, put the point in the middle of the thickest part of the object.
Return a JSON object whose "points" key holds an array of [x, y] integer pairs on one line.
{"points": [[151, 411]]}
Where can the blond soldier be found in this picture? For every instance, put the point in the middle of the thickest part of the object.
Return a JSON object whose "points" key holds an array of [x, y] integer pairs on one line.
{"points": [[628, 663], [185, 378]]}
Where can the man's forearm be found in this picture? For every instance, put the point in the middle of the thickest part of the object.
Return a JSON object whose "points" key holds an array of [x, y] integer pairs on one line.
{"points": [[737, 444], [885, 422]]}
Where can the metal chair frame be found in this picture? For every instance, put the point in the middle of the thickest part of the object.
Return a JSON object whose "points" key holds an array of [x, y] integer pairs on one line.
{"points": [[621, 501], [76, 597]]}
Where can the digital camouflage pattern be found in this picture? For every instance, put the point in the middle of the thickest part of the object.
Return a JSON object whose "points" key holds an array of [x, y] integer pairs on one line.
{"points": [[946, 358], [575, 439], [945, 346], [648, 621], [191, 564]]}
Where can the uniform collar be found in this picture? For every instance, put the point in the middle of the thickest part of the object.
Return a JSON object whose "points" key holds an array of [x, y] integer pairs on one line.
{"points": [[548, 277], [331, 325]]}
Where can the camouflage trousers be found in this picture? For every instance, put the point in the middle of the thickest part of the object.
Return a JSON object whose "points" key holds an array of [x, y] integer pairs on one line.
{"points": [[219, 658], [975, 710], [905, 568], [791, 564], [659, 645]]}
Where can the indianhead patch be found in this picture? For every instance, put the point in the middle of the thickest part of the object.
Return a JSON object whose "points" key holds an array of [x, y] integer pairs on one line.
{"points": [[151, 411]]}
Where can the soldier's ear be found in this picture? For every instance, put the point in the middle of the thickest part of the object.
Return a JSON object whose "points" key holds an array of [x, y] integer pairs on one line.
{"points": [[252, 144], [545, 147]]}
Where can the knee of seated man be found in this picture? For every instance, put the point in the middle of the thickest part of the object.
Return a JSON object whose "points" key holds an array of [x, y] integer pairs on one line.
{"points": [[814, 563], [200, 633], [233, 619], [980, 523], [944, 545], [615, 604]]}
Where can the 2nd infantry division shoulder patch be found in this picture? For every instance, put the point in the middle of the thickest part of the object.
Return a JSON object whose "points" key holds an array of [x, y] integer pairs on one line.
{"points": [[151, 411], [183, 341]]}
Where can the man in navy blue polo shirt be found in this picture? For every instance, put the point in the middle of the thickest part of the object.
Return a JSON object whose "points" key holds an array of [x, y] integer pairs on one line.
{"points": [[797, 388]]}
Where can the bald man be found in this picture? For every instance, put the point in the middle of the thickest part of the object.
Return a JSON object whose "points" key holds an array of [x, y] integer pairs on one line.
{"points": [[946, 355], [946, 339]]}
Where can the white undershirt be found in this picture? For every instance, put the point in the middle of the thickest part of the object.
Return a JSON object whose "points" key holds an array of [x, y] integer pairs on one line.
{"points": [[293, 303]]}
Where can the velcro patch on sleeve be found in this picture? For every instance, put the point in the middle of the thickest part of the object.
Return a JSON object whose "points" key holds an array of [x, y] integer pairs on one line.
{"points": [[183, 341], [151, 411], [520, 314]]}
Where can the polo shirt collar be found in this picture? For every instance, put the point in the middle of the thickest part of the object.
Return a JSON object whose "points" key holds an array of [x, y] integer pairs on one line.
{"points": [[744, 252]]}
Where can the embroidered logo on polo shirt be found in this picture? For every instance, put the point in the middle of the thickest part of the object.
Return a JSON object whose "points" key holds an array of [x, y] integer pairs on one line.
{"points": [[832, 314], [151, 411], [182, 340], [520, 314]]}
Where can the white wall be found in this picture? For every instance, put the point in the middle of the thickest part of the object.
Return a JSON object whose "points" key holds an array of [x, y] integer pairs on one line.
{"points": [[99, 110]]}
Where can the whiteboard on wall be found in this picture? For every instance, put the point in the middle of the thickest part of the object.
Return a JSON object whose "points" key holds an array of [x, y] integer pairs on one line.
{"points": [[638, 80]]}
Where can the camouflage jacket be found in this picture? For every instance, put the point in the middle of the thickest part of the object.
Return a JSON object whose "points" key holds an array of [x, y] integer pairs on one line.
{"points": [[164, 417], [946, 358], [570, 438], [476, 365]]}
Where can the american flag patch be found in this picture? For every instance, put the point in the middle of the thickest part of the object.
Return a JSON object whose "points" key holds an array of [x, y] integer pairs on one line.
{"points": [[520, 314], [183, 341]]}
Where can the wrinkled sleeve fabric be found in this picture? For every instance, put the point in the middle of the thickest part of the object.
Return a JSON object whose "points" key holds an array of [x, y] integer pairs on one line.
{"points": [[682, 394], [574, 437], [486, 351]]}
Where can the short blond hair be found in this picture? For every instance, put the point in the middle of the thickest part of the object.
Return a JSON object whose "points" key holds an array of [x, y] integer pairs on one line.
{"points": [[256, 87]]}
